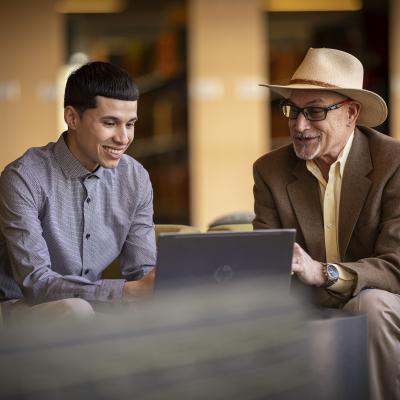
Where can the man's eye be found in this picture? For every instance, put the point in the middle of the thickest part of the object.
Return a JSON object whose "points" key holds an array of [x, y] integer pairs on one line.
{"points": [[314, 112], [109, 123], [130, 125], [293, 112]]}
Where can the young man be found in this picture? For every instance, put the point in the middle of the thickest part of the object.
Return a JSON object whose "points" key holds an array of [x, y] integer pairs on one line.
{"points": [[338, 184], [68, 209]]}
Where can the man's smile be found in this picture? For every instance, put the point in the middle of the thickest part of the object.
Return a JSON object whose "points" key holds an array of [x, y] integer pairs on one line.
{"points": [[114, 151], [306, 137]]}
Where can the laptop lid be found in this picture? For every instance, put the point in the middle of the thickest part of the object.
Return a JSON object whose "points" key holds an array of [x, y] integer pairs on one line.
{"points": [[220, 257]]}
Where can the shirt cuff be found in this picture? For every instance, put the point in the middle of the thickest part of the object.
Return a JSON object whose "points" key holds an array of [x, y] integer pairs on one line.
{"points": [[345, 284]]}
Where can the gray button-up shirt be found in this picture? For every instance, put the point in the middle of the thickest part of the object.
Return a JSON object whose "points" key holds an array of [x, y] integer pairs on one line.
{"points": [[62, 225]]}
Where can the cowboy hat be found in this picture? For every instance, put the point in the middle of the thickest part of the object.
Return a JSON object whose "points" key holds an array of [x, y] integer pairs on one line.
{"points": [[337, 71]]}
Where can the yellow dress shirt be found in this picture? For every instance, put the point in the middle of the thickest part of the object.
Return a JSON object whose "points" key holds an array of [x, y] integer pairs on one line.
{"points": [[330, 202]]}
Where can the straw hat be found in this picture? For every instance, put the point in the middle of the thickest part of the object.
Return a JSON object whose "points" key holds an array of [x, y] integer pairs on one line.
{"points": [[337, 71]]}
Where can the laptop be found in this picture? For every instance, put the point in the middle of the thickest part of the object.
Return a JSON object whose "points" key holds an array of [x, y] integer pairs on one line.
{"points": [[221, 257]]}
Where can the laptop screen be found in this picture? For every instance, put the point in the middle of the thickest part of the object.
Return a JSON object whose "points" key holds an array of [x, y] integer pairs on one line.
{"points": [[223, 256]]}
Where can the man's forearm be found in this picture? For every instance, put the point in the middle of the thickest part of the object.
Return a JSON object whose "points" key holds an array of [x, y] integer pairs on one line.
{"points": [[139, 290], [58, 287]]}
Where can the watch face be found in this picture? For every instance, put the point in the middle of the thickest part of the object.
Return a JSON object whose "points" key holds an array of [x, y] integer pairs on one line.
{"points": [[332, 272]]}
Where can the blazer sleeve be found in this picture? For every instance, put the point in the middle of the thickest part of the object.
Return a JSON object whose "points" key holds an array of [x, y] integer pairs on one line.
{"points": [[381, 270], [266, 214]]}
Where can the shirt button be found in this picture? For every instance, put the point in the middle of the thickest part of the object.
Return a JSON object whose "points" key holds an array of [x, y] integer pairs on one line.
{"points": [[87, 235], [86, 271], [88, 200], [330, 226]]}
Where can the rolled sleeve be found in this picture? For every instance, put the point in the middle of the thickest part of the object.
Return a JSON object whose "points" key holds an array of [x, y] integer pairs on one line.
{"points": [[138, 255]]}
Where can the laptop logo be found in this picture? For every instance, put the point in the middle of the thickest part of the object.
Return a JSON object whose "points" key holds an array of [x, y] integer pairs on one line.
{"points": [[223, 274]]}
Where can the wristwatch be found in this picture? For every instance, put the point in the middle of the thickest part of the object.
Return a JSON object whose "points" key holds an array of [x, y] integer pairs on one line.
{"points": [[331, 274]]}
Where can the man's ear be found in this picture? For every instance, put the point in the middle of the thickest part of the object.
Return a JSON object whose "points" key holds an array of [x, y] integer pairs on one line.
{"points": [[71, 117], [354, 111]]}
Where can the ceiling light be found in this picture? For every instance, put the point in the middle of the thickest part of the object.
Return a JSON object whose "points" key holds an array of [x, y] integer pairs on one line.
{"points": [[90, 6], [312, 5]]}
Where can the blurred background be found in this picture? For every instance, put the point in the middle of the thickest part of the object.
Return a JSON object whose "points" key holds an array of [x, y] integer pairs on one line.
{"points": [[203, 119]]}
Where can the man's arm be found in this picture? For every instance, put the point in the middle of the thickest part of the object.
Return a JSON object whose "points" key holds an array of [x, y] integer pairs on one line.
{"points": [[381, 269], [21, 204], [138, 256], [139, 290], [264, 205]]}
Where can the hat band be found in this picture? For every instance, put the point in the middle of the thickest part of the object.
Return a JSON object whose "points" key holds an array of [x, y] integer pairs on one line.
{"points": [[311, 82]]}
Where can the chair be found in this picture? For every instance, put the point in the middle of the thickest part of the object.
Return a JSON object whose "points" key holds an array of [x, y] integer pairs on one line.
{"points": [[231, 227], [113, 272], [237, 221], [170, 228]]}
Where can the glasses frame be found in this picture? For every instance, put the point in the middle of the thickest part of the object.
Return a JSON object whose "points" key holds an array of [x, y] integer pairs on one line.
{"points": [[303, 110]]}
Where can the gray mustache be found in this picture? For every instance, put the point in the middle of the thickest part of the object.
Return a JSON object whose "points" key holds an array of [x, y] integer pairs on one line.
{"points": [[302, 136]]}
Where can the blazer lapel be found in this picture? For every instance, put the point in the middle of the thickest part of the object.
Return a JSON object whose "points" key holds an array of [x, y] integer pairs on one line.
{"points": [[355, 188], [305, 199]]}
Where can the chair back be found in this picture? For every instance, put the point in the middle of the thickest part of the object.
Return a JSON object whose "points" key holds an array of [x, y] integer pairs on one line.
{"points": [[231, 227], [113, 270]]}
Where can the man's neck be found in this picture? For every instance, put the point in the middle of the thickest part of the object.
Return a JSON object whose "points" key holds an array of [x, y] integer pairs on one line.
{"points": [[324, 168], [324, 163]]}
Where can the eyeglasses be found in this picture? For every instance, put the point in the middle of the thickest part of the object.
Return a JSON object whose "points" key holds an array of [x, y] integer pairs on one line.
{"points": [[310, 113]]}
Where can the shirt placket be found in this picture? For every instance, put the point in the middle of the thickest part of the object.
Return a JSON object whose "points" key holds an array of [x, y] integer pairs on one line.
{"points": [[88, 233], [330, 219]]}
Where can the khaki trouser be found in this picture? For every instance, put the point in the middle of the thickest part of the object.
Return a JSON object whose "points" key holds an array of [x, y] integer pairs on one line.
{"points": [[54, 311], [383, 313]]}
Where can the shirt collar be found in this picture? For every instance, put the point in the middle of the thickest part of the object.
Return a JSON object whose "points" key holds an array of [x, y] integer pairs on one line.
{"points": [[69, 164], [344, 154]]}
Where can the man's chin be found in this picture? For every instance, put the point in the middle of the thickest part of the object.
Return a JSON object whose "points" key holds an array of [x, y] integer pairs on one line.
{"points": [[110, 164], [305, 154]]}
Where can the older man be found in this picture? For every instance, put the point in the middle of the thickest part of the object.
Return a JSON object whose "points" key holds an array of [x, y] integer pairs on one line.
{"points": [[338, 184]]}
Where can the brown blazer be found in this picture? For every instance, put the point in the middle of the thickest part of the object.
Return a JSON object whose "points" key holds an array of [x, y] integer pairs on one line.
{"points": [[287, 196]]}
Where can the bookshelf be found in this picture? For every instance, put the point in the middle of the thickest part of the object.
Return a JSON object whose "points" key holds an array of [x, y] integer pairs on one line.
{"points": [[148, 39]]}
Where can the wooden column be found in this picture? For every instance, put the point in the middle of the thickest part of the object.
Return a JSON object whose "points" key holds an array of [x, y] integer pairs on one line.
{"points": [[228, 111], [394, 67], [31, 46]]}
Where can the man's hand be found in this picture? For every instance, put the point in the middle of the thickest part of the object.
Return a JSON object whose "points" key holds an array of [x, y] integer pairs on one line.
{"points": [[308, 270], [139, 290]]}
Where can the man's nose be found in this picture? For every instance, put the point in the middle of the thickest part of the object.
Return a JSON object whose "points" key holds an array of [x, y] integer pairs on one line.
{"points": [[122, 136], [301, 122]]}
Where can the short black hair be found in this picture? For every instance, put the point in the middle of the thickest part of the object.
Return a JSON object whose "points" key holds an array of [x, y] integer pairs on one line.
{"points": [[98, 79]]}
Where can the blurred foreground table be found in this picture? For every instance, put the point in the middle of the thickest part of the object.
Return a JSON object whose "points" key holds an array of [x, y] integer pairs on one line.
{"points": [[245, 341]]}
